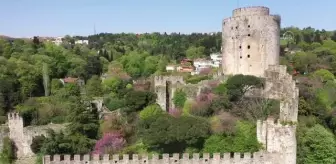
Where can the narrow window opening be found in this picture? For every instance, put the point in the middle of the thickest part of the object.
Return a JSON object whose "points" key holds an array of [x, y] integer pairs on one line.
{"points": [[248, 56], [239, 47], [236, 27], [248, 47], [241, 57], [248, 34], [248, 26]]}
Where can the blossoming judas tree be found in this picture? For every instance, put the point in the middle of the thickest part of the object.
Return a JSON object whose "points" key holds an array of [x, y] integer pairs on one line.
{"points": [[109, 143], [175, 112]]}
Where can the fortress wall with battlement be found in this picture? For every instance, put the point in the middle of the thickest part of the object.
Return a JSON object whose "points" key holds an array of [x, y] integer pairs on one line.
{"points": [[278, 140], [227, 158]]}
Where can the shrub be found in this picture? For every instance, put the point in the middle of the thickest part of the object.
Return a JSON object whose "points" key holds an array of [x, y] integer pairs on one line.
{"points": [[114, 104], [318, 146], [37, 143], [8, 150], [175, 112], [110, 143], [179, 98], [150, 111], [244, 140], [223, 123]]}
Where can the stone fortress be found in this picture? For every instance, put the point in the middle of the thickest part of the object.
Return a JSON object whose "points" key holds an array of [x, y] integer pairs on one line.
{"points": [[250, 46]]}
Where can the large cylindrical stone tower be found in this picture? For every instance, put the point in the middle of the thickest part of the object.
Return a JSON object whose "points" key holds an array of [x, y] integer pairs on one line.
{"points": [[251, 41]]}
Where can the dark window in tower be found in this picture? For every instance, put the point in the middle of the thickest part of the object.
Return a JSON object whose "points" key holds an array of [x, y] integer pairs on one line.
{"points": [[248, 34], [240, 57], [239, 47], [248, 47], [248, 56], [236, 27], [248, 26]]}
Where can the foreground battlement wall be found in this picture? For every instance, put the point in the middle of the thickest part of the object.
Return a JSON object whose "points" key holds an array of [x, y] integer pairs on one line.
{"points": [[217, 158], [278, 140]]}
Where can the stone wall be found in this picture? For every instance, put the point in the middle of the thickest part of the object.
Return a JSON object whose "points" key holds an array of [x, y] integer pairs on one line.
{"points": [[227, 158], [176, 82], [23, 136], [279, 85], [162, 89]]}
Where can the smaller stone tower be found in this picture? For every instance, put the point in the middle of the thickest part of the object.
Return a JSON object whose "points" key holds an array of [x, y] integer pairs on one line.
{"points": [[16, 134], [251, 41]]}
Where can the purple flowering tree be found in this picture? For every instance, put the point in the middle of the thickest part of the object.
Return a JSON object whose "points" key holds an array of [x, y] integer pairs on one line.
{"points": [[109, 143], [175, 112]]}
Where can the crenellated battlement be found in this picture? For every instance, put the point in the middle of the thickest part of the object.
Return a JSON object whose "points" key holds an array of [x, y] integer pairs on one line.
{"points": [[14, 116], [252, 10], [216, 158], [281, 86], [161, 80]]}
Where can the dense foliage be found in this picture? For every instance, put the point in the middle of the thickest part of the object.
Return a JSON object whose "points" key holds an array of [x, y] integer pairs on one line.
{"points": [[220, 119]]}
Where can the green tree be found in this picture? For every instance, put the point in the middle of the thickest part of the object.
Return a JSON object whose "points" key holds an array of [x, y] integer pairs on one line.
{"points": [[243, 140], [138, 100], [94, 87], [8, 151], [169, 134], [319, 146], [238, 85], [323, 75], [83, 121], [195, 52], [112, 84], [150, 111], [179, 98]]}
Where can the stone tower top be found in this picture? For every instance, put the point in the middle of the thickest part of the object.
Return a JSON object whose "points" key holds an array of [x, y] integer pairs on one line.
{"points": [[253, 10], [250, 41]]}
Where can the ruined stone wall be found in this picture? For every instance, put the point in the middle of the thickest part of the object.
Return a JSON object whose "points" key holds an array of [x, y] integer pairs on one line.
{"points": [[251, 41], [177, 82], [23, 136], [279, 85], [160, 87]]}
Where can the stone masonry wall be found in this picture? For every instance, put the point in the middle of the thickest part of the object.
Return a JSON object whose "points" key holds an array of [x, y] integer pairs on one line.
{"points": [[23, 136], [227, 158], [251, 41], [279, 85]]}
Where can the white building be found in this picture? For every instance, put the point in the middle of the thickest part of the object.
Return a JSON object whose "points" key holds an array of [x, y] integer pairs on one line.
{"points": [[170, 68], [82, 42], [58, 41], [201, 64], [216, 59]]}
